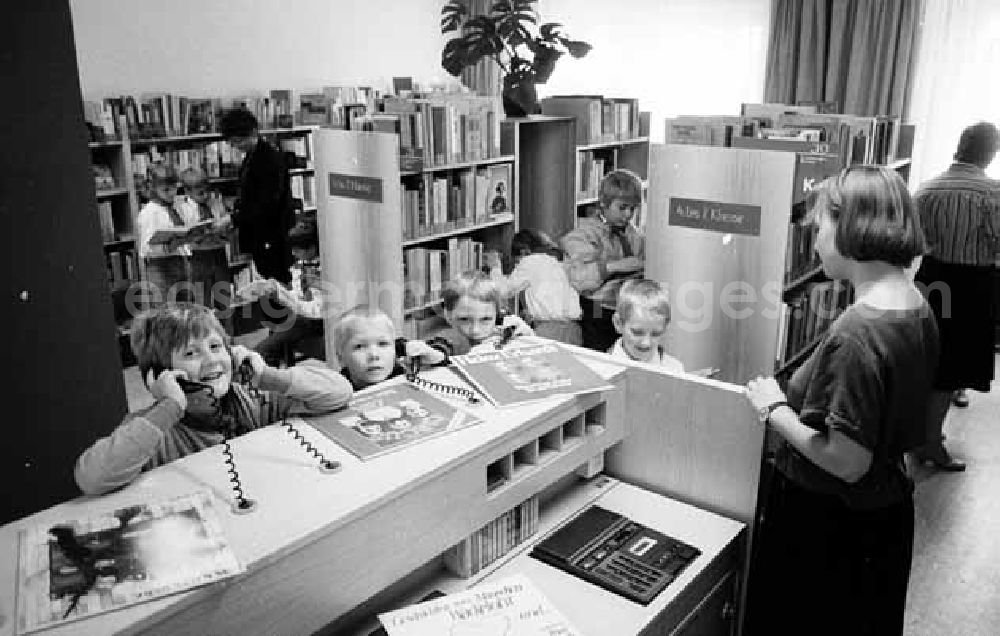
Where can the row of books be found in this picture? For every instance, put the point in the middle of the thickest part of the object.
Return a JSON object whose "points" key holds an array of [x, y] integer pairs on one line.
{"points": [[809, 315], [426, 270], [494, 540], [590, 168], [218, 159], [303, 187], [459, 199], [598, 118], [441, 128], [105, 215], [122, 268], [796, 128], [335, 106], [153, 115], [800, 257]]}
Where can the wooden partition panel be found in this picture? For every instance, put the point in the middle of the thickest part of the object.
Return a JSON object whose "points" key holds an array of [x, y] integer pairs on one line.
{"points": [[360, 225], [725, 286], [695, 440]]}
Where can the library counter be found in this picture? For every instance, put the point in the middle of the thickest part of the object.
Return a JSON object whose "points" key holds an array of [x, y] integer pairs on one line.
{"points": [[324, 551]]}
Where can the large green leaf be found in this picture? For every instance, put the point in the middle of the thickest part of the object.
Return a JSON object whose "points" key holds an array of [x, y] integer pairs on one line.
{"points": [[512, 18], [545, 62], [577, 48], [452, 14], [479, 39], [548, 30]]}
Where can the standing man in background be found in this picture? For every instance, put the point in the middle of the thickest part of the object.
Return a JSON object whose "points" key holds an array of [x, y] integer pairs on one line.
{"points": [[960, 215], [264, 208]]}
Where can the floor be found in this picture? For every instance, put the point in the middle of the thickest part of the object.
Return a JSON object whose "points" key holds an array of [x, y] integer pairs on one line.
{"points": [[955, 580]]}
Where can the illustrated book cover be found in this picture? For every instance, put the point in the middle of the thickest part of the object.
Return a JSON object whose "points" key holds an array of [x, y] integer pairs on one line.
{"points": [[527, 373], [511, 606], [393, 416], [84, 567]]}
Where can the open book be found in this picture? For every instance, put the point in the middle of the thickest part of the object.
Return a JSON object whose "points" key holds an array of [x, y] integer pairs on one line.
{"points": [[83, 567], [188, 234], [392, 416], [506, 607], [515, 375]]}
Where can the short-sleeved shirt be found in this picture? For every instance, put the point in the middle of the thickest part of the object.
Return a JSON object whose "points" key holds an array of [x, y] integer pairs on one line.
{"points": [[870, 379]]}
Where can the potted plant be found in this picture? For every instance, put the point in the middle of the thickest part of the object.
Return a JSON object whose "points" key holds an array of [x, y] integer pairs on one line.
{"points": [[511, 35]]}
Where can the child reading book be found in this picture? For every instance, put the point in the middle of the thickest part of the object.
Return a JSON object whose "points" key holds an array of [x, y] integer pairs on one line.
{"points": [[209, 256], [366, 345], [167, 263], [472, 304], [551, 303], [189, 366]]}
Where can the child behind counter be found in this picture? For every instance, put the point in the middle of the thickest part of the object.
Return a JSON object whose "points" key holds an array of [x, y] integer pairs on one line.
{"points": [[551, 303], [365, 341], [472, 303], [641, 318], [179, 343]]}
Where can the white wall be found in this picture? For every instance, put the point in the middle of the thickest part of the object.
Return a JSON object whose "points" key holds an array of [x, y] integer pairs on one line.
{"points": [[679, 57], [229, 47], [696, 57]]}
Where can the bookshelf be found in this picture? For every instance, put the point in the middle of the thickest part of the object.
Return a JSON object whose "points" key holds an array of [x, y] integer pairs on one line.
{"points": [[117, 207]]}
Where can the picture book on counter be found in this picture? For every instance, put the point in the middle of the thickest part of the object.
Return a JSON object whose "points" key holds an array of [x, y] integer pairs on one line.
{"points": [[526, 373], [83, 567], [511, 606], [392, 416]]}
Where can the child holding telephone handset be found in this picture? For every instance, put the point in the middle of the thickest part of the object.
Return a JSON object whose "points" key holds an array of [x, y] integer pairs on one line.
{"points": [[191, 370], [472, 307]]}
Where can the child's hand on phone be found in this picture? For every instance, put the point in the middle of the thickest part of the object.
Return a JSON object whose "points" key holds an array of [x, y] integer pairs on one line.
{"points": [[242, 354], [427, 354], [521, 328], [165, 385]]}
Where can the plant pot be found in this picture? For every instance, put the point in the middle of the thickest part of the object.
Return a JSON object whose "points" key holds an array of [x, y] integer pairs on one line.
{"points": [[520, 100]]}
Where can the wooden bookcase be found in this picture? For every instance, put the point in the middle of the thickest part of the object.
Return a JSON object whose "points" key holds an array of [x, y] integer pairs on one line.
{"points": [[360, 211], [551, 161], [117, 206], [127, 197]]}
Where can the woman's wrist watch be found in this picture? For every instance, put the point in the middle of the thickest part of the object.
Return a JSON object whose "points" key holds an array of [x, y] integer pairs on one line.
{"points": [[765, 411]]}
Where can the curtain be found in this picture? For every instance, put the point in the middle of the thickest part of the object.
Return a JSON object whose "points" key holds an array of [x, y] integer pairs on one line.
{"points": [[955, 83], [855, 53]]}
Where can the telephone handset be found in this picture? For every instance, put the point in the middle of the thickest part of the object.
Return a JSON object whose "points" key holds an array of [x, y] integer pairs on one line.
{"points": [[412, 367], [506, 333], [188, 386]]}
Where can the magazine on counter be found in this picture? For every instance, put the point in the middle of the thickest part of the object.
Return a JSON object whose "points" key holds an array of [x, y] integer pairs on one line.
{"points": [[393, 416], [515, 375], [511, 606], [83, 567]]}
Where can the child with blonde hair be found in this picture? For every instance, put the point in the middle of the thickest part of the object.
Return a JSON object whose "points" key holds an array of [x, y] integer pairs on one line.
{"points": [[473, 308], [551, 303], [188, 365], [641, 318], [366, 345]]}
